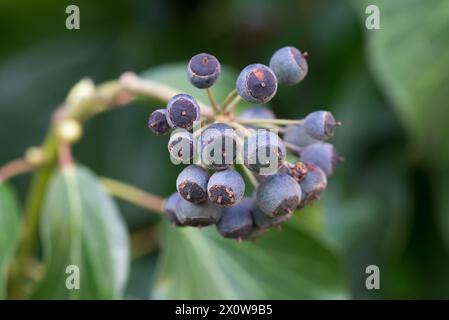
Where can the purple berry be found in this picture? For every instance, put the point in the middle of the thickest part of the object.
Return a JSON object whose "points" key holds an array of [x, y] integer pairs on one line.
{"points": [[182, 111], [257, 112], [278, 195], [257, 83], [203, 70], [226, 188], [170, 209], [236, 221], [157, 122], [181, 146], [264, 152], [192, 184], [320, 125], [289, 65], [263, 221], [196, 215], [313, 184], [218, 146], [297, 135], [323, 155]]}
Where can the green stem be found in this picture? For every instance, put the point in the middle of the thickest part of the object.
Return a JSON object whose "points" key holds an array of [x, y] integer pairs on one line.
{"points": [[232, 104], [212, 100], [230, 97], [269, 121], [134, 195]]}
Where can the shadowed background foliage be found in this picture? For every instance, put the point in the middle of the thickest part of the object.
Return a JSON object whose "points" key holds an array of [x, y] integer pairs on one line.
{"points": [[387, 204]]}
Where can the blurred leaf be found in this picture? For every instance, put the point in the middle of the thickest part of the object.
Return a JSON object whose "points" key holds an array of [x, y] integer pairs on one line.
{"points": [[9, 232], [81, 226], [409, 56], [442, 211], [200, 264]]}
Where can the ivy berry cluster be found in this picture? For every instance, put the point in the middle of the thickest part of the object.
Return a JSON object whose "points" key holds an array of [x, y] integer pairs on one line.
{"points": [[220, 147]]}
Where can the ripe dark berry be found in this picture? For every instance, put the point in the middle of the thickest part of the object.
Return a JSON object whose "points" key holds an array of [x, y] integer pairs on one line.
{"points": [[236, 221], [297, 135], [264, 152], [192, 184], [278, 195], [182, 111], [218, 146], [264, 221], [313, 184], [226, 188], [289, 65], [157, 122], [257, 83], [197, 215], [323, 155], [170, 209], [181, 146], [320, 125], [203, 70], [257, 112]]}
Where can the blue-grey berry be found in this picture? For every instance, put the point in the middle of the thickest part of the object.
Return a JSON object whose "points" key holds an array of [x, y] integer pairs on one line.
{"points": [[289, 65], [226, 188], [257, 83], [203, 70], [263, 221], [236, 221], [157, 122], [320, 125], [181, 146], [197, 215], [192, 183], [218, 146], [264, 152], [257, 112], [297, 135], [170, 209], [323, 155], [278, 195], [183, 111], [313, 184]]}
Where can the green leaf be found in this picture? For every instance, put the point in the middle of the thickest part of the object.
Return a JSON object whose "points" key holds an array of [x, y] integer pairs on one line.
{"points": [[81, 226], [409, 56], [9, 232], [292, 264]]}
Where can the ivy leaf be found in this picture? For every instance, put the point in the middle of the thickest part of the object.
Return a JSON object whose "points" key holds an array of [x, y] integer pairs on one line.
{"points": [[82, 227], [9, 232], [409, 56]]}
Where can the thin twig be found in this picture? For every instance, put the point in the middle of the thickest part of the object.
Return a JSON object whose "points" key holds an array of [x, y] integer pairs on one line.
{"points": [[293, 147], [134, 195], [131, 82], [232, 104], [212, 100], [230, 97], [14, 168]]}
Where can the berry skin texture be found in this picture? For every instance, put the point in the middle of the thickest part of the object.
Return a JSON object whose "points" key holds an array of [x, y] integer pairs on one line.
{"points": [[313, 184], [157, 122], [297, 135], [278, 195], [257, 112], [226, 188], [289, 65], [181, 146], [320, 125], [257, 83], [264, 152], [262, 221], [183, 111], [192, 184], [323, 155], [170, 209], [218, 146], [197, 215], [203, 70], [236, 221]]}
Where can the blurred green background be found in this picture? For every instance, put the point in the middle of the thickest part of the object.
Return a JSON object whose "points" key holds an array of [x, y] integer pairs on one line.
{"points": [[387, 204]]}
